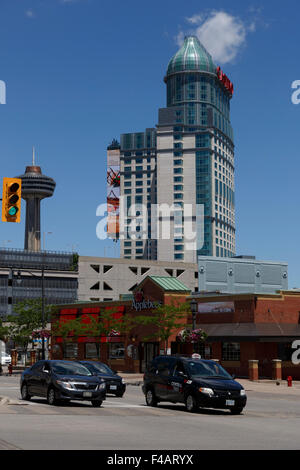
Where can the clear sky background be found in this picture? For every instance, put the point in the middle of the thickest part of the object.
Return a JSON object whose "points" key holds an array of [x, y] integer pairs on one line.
{"points": [[81, 72]]}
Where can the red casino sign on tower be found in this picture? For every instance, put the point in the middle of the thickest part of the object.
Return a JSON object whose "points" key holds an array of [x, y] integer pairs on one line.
{"points": [[225, 80]]}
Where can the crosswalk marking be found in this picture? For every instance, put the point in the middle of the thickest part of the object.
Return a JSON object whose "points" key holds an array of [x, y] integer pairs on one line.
{"points": [[7, 446], [107, 409]]}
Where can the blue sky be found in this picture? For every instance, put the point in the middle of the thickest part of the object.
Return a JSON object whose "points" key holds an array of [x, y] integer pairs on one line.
{"points": [[80, 72]]}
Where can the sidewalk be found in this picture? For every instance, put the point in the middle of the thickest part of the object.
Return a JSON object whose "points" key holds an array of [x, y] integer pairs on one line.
{"points": [[264, 385], [132, 379], [270, 386]]}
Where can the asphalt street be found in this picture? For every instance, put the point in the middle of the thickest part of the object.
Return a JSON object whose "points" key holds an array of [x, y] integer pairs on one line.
{"points": [[269, 421]]}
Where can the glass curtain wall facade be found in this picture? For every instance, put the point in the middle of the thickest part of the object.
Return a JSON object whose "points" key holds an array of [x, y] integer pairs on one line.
{"points": [[138, 191], [196, 127], [21, 277]]}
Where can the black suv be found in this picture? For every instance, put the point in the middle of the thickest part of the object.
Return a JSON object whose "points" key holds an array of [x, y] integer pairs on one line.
{"points": [[62, 380], [114, 383], [193, 381]]}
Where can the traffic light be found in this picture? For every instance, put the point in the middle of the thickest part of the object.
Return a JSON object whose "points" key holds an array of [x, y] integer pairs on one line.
{"points": [[11, 200]]}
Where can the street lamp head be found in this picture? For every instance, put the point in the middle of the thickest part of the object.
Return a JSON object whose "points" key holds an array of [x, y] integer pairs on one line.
{"points": [[194, 305]]}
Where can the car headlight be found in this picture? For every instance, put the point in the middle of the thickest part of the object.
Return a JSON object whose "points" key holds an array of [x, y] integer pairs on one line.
{"points": [[123, 381], [63, 384], [242, 392], [207, 391], [102, 386]]}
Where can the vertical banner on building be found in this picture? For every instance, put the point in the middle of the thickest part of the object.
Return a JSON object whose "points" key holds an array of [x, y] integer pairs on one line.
{"points": [[113, 193]]}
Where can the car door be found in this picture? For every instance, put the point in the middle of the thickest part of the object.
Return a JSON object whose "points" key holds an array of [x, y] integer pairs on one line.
{"points": [[33, 378], [176, 380], [44, 379], [163, 385]]}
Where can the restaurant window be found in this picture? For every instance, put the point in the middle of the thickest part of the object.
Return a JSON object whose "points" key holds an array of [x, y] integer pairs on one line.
{"points": [[92, 350], [71, 350], [116, 350], [231, 352], [284, 351], [203, 349]]}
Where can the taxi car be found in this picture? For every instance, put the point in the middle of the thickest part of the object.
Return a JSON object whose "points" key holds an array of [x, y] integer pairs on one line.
{"points": [[193, 381]]}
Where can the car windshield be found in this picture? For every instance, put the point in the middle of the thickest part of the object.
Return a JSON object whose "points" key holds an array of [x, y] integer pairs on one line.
{"points": [[207, 370], [99, 367], [70, 368]]}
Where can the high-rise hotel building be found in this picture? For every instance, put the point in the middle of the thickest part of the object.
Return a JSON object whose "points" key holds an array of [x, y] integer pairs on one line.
{"points": [[187, 161]]}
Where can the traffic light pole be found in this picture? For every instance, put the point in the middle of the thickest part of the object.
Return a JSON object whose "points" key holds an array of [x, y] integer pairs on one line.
{"points": [[10, 292], [43, 311]]}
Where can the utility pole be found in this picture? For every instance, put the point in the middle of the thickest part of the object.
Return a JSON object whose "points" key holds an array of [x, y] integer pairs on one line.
{"points": [[10, 292], [43, 311], [194, 309], [42, 277]]}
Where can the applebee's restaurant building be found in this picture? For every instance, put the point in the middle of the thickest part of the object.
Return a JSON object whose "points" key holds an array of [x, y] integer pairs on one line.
{"points": [[241, 328], [130, 352]]}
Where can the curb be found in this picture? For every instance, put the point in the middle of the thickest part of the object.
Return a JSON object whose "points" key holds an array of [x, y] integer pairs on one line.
{"points": [[10, 401], [4, 401]]}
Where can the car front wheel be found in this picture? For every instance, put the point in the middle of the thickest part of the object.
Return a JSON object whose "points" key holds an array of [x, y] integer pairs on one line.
{"points": [[51, 398], [190, 403], [151, 399], [24, 392]]}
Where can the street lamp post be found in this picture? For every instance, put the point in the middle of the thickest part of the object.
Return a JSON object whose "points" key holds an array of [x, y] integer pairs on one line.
{"points": [[194, 309], [44, 234], [19, 280]]}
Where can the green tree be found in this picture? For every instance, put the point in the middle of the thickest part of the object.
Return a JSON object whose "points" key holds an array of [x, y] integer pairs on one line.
{"points": [[28, 318], [4, 330], [165, 320]]}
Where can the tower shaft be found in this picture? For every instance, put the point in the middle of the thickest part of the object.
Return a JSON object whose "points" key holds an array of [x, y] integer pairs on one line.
{"points": [[33, 225]]}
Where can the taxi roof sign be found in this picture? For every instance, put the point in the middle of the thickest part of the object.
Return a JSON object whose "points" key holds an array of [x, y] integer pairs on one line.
{"points": [[196, 356]]}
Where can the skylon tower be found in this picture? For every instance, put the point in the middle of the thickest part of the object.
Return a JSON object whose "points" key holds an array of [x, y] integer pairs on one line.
{"points": [[35, 187]]}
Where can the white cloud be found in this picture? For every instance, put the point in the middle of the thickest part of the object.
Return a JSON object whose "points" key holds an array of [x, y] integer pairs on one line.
{"points": [[30, 14], [222, 34], [195, 19], [179, 38], [252, 27]]}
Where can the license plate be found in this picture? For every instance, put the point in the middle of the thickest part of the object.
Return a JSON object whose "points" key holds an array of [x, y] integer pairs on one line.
{"points": [[87, 394], [113, 387], [230, 402]]}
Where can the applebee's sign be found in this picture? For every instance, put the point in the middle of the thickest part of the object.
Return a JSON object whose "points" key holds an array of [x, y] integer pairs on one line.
{"points": [[140, 303]]}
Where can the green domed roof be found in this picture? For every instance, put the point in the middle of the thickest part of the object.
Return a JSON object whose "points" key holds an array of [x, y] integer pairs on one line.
{"points": [[191, 56]]}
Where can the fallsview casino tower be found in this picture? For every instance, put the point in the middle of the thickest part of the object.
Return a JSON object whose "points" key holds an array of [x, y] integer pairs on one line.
{"points": [[187, 161]]}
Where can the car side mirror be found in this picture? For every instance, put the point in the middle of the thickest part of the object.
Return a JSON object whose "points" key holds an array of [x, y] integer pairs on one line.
{"points": [[181, 374], [233, 376]]}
